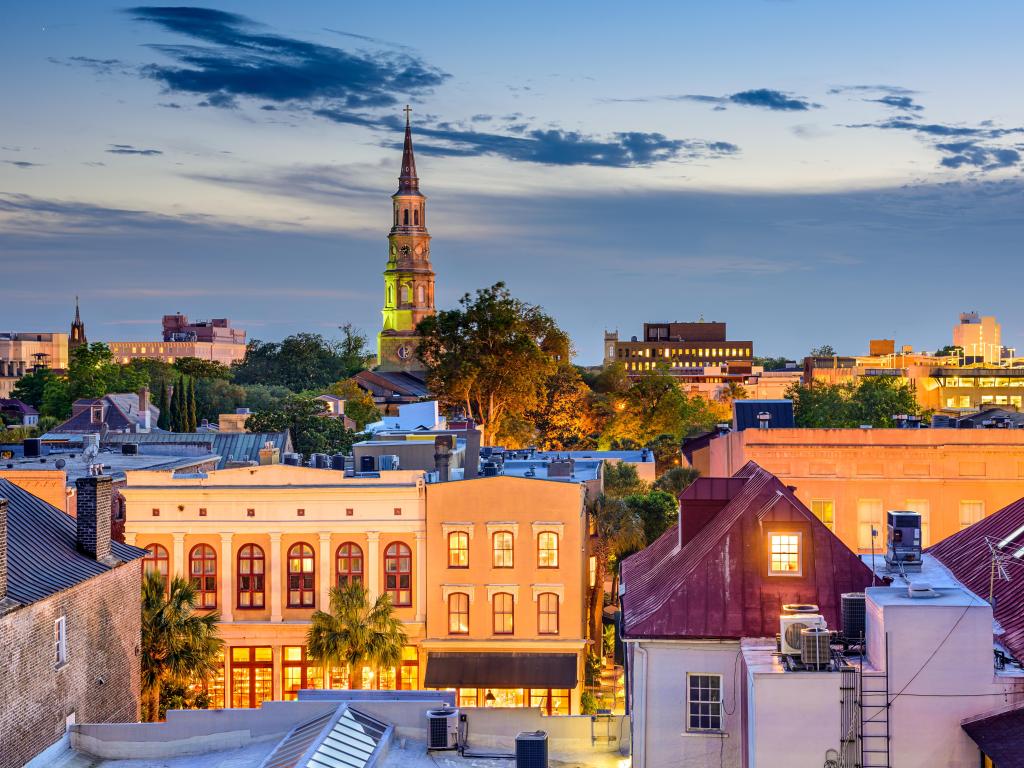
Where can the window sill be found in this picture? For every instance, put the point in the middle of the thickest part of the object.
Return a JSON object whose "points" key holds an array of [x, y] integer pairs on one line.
{"points": [[706, 734], [59, 667]]}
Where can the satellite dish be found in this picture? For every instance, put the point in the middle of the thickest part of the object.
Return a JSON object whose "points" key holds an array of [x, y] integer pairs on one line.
{"points": [[59, 464]]}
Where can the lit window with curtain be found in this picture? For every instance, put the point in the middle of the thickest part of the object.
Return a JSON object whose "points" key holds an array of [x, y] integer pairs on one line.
{"points": [[458, 613], [784, 554], [502, 543], [547, 613], [504, 613], [547, 550], [458, 549], [825, 510]]}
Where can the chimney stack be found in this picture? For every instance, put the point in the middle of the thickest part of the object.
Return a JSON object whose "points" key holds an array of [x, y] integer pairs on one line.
{"points": [[93, 516], [144, 425], [443, 445]]}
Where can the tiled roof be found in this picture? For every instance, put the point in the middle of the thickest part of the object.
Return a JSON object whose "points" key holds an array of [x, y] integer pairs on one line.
{"points": [[717, 585], [968, 557], [42, 556]]}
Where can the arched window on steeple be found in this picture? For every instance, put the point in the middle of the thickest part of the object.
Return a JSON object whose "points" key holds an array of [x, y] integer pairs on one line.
{"points": [[406, 294], [416, 217], [419, 294], [391, 296], [405, 217]]}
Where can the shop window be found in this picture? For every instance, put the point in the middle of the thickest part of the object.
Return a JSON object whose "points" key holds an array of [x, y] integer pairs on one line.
{"points": [[252, 676], [299, 672]]}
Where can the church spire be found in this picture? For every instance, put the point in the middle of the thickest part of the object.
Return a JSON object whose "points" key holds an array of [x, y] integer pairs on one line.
{"points": [[77, 337], [78, 319], [408, 181]]}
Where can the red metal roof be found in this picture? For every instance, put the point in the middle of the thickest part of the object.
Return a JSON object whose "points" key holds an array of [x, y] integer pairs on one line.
{"points": [[717, 584], [967, 555]]}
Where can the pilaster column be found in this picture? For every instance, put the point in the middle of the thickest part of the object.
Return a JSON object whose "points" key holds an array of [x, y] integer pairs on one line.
{"points": [[373, 564], [275, 576], [277, 680], [326, 581], [178, 556], [419, 573], [227, 579]]}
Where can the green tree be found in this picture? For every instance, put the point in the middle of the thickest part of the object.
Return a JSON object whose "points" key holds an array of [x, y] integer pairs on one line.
{"points": [[676, 480], [177, 407], [262, 397], [950, 350], [565, 419], [196, 368], [819, 405], [56, 399], [217, 396], [877, 399], [658, 511], [621, 479], [771, 363], [733, 390], [872, 400], [490, 356], [359, 405], [356, 632], [618, 529], [303, 361], [178, 646], [164, 404], [312, 430], [92, 372], [825, 350], [30, 387], [190, 409]]}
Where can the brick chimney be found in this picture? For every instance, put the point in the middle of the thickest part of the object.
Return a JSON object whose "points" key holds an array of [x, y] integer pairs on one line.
{"points": [[443, 445], [93, 516], [144, 425]]}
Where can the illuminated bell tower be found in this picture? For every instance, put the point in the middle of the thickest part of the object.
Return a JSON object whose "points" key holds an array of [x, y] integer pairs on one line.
{"points": [[408, 279]]}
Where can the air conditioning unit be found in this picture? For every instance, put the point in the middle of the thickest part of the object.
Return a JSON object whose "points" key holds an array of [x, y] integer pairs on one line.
{"points": [[443, 728], [791, 626], [388, 462]]}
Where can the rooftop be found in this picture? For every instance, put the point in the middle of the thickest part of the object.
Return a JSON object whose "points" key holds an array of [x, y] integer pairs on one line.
{"points": [[114, 463]]}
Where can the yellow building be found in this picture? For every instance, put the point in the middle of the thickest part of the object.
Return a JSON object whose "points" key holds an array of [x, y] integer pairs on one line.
{"points": [[265, 544], [21, 353], [851, 477], [506, 592]]}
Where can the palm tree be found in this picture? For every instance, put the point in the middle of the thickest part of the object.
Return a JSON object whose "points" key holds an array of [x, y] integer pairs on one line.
{"points": [[732, 390], [178, 645], [356, 633], [618, 529], [676, 480]]}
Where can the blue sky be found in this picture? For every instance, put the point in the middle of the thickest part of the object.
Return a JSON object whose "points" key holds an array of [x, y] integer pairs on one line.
{"points": [[808, 172]]}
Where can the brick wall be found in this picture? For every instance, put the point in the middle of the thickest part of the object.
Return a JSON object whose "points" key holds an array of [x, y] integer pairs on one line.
{"points": [[102, 617]]}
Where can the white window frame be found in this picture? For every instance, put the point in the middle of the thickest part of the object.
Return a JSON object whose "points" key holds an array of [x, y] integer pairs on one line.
{"points": [[690, 727], [60, 642], [799, 553]]}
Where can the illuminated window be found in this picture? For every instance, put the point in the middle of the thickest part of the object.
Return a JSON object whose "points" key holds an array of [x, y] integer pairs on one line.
{"points": [[301, 576], [250, 576], [784, 554], [547, 550], [157, 560], [252, 676], [704, 702], [504, 607], [398, 573], [502, 544], [869, 517], [299, 672], [592, 567], [349, 564], [971, 512], [458, 549], [923, 508], [547, 613], [458, 613], [202, 568], [825, 510]]}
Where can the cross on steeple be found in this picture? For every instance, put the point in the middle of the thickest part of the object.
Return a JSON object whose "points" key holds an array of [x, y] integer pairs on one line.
{"points": [[407, 110]]}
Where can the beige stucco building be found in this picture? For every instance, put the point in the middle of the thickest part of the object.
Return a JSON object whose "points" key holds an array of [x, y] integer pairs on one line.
{"points": [[851, 477], [21, 353]]}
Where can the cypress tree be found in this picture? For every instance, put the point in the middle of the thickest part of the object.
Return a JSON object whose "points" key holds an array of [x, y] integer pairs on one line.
{"points": [[176, 407], [164, 420], [191, 411]]}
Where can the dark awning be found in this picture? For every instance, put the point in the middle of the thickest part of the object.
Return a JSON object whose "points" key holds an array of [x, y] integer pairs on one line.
{"points": [[999, 737], [501, 670]]}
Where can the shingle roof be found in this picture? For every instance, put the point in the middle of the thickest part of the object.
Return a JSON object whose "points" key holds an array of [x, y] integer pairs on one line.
{"points": [[42, 556], [967, 556], [120, 414], [717, 585]]}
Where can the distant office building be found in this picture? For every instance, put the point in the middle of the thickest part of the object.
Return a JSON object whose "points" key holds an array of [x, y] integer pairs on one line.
{"points": [[980, 338], [682, 347], [214, 340], [22, 353]]}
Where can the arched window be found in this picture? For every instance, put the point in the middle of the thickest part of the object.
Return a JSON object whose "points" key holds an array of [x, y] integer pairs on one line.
{"points": [[458, 549], [301, 576], [157, 561], [398, 573], [202, 568], [547, 613], [419, 294], [458, 613], [391, 295], [416, 217], [547, 550], [405, 217], [406, 294], [504, 607], [251, 570], [502, 546], [348, 564]]}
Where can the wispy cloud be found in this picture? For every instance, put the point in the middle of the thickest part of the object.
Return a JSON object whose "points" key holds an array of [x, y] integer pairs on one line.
{"points": [[128, 149], [763, 98], [23, 164]]}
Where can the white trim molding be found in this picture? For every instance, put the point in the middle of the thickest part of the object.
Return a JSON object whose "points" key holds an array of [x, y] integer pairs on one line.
{"points": [[466, 528], [493, 528], [540, 589], [493, 589], [447, 590], [539, 528]]}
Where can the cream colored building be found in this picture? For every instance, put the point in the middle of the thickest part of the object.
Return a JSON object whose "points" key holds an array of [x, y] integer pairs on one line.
{"points": [[20, 353], [223, 352], [265, 544]]}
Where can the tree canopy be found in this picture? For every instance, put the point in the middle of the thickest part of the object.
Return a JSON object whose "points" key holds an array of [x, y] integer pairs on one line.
{"points": [[359, 405], [305, 361], [872, 400], [825, 350], [312, 430], [490, 357]]}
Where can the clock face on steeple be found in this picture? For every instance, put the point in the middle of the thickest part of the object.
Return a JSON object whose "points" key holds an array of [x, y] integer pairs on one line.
{"points": [[405, 352]]}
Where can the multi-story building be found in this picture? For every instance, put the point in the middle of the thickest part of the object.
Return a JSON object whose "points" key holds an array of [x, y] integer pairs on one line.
{"points": [[851, 477], [265, 544], [685, 349], [22, 353], [980, 339], [214, 340], [69, 619], [506, 592]]}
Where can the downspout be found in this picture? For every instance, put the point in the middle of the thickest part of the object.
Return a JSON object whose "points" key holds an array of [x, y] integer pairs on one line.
{"points": [[643, 690]]}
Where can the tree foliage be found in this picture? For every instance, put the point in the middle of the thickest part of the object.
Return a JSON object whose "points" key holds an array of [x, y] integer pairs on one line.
{"points": [[30, 387], [304, 361], [91, 373], [178, 646], [312, 430], [676, 480], [872, 400], [657, 510], [621, 479], [618, 530], [359, 405], [771, 363], [491, 357], [565, 420], [356, 633], [825, 350]]}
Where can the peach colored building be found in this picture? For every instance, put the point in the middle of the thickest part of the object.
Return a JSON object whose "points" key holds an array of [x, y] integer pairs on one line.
{"points": [[506, 591], [21, 353], [265, 544], [851, 477], [224, 352]]}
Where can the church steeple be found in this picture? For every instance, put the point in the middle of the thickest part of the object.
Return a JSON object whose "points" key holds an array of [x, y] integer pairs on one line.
{"points": [[77, 338], [408, 181]]}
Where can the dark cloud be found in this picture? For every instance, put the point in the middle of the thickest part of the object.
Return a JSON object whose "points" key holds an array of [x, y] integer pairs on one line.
{"points": [[128, 149], [966, 153], [899, 102], [763, 98], [22, 164], [235, 58], [969, 153], [100, 66], [892, 90], [170, 105], [940, 129]]}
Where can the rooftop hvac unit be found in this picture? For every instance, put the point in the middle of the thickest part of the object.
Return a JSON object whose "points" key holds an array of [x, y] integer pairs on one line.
{"points": [[853, 611], [790, 628], [130, 449], [800, 608], [292, 459], [367, 464], [815, 651], [903, 541], [532, 750], [443, 728], [388, 462], [338, 462]]}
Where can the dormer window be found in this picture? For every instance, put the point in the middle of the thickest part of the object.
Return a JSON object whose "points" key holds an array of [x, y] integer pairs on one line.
{"points": [[785, 554], [96, 414]]}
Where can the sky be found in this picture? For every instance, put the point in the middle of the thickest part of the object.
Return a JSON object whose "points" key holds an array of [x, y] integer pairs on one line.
{"points": [[810, 173]]}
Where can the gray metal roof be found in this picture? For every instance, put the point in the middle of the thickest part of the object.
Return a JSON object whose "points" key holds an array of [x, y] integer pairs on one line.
{"points": [[42, 556]]}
